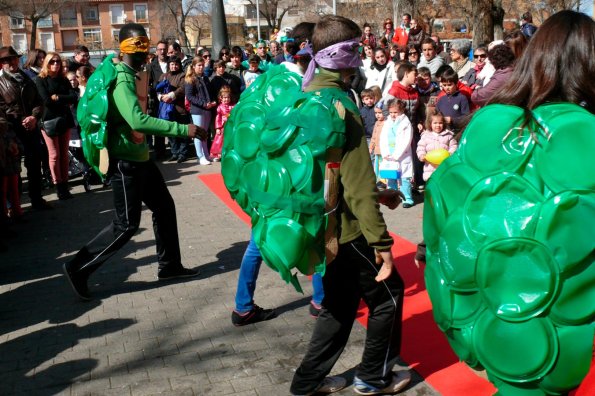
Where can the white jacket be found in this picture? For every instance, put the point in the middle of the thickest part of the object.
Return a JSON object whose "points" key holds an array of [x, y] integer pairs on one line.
{"points": [[384, 78], [400, 152]]}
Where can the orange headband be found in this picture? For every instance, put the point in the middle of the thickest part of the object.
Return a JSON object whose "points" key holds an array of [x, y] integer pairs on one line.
{"points": [[135, 44]]}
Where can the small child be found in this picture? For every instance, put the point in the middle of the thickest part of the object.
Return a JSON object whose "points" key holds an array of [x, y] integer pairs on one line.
{"points": [[395, 149], [435, 136], [223, 111], [367, 113], [453, 105], [253, 70], [374, 145], [10, 179]]}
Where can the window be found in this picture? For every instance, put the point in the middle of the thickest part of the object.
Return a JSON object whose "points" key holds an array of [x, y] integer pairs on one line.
{"points": [[116, 35], [19, 42], [92, 37], [117, 13], [68, 17], [140, 13], [45, 22], [46, 40], [438, 26], [251, 11], [69, 38], [91, 13], [17, 21]]}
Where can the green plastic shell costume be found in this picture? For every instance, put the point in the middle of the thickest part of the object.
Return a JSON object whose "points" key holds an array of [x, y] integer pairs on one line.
{"points": [[273, 163], [92, 112], [510, 270]]}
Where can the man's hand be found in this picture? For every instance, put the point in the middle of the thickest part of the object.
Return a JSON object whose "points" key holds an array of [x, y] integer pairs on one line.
{"points": [[390, 198], [195, 131], [29, 123], [387, 266]]}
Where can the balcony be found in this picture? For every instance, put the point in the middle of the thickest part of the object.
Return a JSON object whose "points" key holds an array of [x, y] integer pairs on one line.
{"points": [[69, 23]]}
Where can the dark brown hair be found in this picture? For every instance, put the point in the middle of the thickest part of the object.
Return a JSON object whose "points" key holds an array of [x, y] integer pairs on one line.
{"points": [[32, 57], [517, 42], [549, 71], [333, 29]]}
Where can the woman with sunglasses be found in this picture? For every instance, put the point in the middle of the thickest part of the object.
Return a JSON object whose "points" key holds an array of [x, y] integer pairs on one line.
{"points": [[224, 55], [412, 54], [57, 94], [471, 78]]}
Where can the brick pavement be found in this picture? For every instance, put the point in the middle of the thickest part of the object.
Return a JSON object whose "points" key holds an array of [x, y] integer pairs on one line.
{"points": [[144, 337]]}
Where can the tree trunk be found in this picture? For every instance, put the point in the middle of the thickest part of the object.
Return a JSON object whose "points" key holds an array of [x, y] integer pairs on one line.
{"points": [[498, 15], [483, 23], [33, 38]]}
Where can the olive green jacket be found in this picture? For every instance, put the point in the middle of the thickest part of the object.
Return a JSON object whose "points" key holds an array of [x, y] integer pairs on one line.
{"points": [[360, 210], [125, 115]]}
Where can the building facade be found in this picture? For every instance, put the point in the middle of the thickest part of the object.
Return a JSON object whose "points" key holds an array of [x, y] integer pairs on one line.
{"points": [[94, 23]]}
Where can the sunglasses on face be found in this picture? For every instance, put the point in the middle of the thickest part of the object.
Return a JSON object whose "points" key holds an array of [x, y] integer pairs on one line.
{"points": [[413, 53], [55, 62], [206, 56], [225, 53], [482, 56]]}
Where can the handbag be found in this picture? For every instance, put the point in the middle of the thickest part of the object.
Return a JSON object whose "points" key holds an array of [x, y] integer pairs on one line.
{"points": [[54, 127]]}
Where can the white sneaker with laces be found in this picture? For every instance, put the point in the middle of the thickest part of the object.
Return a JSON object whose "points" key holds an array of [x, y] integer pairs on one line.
{"points": [[204, 161]]}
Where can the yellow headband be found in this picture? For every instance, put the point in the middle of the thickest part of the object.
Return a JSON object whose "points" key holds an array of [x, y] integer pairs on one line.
{"points": [[135, 44]]}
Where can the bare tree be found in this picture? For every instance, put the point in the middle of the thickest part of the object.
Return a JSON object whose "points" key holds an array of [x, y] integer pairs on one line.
{"points": [[32, 11], [180, 10], [273, 11], [483, 21]]}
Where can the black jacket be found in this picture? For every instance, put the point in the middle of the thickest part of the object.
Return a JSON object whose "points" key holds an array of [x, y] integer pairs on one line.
{"points": [[19, 100]]}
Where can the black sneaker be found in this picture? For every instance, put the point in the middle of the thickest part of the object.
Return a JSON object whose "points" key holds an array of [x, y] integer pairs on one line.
{"points": [[78, 284], [255, 315], [314, 309], [181, 272], [407, 205]]}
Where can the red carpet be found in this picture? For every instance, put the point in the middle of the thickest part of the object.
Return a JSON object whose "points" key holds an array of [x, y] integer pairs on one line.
{"points": [[425, 347]]}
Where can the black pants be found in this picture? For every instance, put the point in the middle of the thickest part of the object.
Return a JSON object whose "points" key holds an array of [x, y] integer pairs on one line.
{"points": [[33, 154], [132, 184], [348, 279]]}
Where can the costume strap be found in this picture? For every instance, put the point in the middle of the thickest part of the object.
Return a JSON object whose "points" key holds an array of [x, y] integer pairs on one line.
{"points": [[342, 55]]}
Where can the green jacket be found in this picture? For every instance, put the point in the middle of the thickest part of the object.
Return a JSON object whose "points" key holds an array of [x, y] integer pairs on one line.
{"points": [[360, 210], [125, 115]]}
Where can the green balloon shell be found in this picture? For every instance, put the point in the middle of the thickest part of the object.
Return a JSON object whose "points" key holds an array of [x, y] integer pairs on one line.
{"points": [[510, 263], [92, 112], [273, 163]]}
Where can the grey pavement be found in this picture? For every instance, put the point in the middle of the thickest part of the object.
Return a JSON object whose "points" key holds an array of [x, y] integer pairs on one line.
{"points": [[140, 336]]}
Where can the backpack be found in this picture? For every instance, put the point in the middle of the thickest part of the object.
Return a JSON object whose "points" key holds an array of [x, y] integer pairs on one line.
{"points": [[92, 115], [280, 161]]}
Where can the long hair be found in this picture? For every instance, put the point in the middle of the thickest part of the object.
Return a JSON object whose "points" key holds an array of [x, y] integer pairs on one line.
{"points": [[190, 77], [32, 57], [45, 68], [548, 71]]}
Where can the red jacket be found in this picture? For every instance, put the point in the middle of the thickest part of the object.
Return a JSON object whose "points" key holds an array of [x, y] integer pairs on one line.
{"points": [[401, 37], [409, 95]]}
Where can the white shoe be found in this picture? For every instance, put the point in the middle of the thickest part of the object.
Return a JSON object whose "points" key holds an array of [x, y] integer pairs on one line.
{"points": [[204, 161]]}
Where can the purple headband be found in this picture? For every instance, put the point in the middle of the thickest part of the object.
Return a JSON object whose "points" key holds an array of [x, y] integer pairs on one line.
{"points": [[337, 56]]}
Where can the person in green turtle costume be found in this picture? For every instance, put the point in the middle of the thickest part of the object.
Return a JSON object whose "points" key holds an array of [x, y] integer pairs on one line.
{"points": [[135, 179], [508, 221]]}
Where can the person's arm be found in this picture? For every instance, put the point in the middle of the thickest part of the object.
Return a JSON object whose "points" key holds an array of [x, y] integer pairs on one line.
{"points": [[193, 95], [384, 149], [452, 145], [421, 147], [404, 136], [42, 89], [70, 96]]}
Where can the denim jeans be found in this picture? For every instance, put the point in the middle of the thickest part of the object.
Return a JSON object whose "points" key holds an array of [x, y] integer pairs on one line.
{"points": [[203, 120], [405, 188], [249, 273]]}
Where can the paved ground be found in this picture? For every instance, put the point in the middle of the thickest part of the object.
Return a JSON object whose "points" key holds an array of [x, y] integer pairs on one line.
{"points": [[144, 337]]}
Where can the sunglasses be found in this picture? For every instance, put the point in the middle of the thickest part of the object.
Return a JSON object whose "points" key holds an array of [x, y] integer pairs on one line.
{"points": [[482, 56], [55, 62], [206, 56], [225, 53], [413, 53]]}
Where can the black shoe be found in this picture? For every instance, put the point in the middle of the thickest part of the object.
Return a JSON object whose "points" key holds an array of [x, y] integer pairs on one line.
{"points": [[41, 204], [314, 309], [255, 315], [181, 159], [78, 284], [173, 158], [181, 272], [407, 205]]}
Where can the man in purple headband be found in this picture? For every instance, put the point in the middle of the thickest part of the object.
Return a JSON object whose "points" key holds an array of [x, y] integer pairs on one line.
{"points": [[354, 273]]}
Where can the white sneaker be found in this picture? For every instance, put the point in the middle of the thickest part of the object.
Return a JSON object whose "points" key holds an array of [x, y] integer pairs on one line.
{"points": [[204, 161]]}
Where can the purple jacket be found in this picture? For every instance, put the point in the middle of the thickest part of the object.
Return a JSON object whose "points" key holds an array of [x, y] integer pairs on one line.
{"points": [[482, 95]]}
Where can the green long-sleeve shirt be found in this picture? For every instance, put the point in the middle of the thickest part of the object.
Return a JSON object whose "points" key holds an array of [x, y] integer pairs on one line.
{"points": [[125, 115], [360, 210]]}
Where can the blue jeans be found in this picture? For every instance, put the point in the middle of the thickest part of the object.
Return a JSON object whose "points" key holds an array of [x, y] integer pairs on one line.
{"points": [[249, 273], [203, 120]]}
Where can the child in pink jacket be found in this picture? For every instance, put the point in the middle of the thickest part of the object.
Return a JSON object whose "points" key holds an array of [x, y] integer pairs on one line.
{"points": [[223, 111], [434, 137]]}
